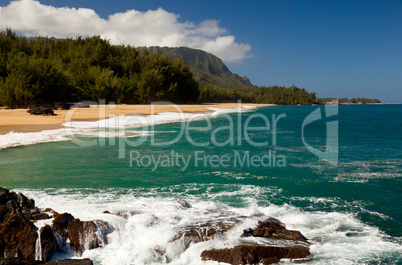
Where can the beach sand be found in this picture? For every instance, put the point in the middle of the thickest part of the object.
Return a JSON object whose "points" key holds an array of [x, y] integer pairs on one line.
{"points": [[18, 120]]}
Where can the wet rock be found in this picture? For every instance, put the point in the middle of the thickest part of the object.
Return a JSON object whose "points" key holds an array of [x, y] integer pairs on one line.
{"points": [[7, 209], [27, 241], [269, 261], [4, 195], [48, 242], [2, 246], [283, 243], [51, 212], [18, 234], [123, 214], [103, 228], [274, 229], [12, 203], [82, 235], [202, 232], [71, 262], [254, 254], [75, 262], [60, 224], [37, 215], [19, 237], [19, 261], [184, 204], [23, 201]]}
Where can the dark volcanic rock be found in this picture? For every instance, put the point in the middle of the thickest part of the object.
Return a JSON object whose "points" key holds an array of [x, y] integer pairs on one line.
{"points": [[19, 261], [123, 214], [19, 236], [75, 262], [85, 235], [35, 214], [103, 228], [23, 201], [27, 241], [61, 222], [50, 211], [48, 242], [202, 232], [2, 246], [184, 204], [17, 232], [274, 229], [61, 106], [253, 254], [42, 110], [6, 209], [82, 235], [4, 195]]}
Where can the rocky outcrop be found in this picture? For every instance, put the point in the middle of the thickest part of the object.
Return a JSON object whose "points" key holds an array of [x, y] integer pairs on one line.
{"points": [[60, 223], [19, 237], [87, 234], [267, 243], [274, 229], [203, 232], [20, 261], [82, 236], [17, 230], [48, 242], [254, 254], [61, 106], [72, 262], [284, 243], [41, 110]]}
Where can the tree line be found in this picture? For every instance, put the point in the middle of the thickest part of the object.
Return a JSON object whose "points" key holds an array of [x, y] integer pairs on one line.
{"points": [[71, 70], [350, 101], [268, 95]]}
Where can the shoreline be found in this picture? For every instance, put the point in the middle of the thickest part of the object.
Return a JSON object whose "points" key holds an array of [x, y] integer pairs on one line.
{"points": [[19, 121]]}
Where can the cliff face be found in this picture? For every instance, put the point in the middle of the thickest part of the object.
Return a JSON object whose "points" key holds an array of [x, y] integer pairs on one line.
{"points": [[206, 67]]}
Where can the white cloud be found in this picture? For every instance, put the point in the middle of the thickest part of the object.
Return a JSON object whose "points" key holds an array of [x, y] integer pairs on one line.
{"points": [[150, 28]]}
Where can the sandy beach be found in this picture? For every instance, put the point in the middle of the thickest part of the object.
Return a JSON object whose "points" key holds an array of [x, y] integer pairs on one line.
{"points": [[18, 120]]}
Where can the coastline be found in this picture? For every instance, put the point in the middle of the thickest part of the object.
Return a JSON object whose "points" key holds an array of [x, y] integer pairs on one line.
{"points": [[18, 120]]}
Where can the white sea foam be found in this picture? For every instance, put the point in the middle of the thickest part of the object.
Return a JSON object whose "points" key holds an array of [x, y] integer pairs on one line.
{"points": [[118, 126], [16, 139], [156, 216]]}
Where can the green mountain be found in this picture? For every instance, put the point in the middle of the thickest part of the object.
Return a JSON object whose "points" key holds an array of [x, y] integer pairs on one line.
{"points": [[205, 66]]}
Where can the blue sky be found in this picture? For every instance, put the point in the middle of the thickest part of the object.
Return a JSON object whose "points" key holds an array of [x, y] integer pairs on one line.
{"points": [[335, 48]]}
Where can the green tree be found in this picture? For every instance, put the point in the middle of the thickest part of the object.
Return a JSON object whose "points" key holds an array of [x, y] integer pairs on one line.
{"points": [[102, 83]]}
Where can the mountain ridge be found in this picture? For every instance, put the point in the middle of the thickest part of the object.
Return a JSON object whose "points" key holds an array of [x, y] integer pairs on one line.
{"points": [[205, 66]]}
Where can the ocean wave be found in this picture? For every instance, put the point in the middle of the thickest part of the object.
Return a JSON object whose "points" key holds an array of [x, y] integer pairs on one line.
{"points": [[157, 213], [119, 126], [13, 139]]}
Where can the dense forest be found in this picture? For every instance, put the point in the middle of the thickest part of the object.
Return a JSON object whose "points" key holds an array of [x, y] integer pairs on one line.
{"points": [[70, 70], [269, 95]]}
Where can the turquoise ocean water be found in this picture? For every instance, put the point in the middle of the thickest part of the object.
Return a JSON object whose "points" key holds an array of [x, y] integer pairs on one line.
{"points": [[351, 211]]}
